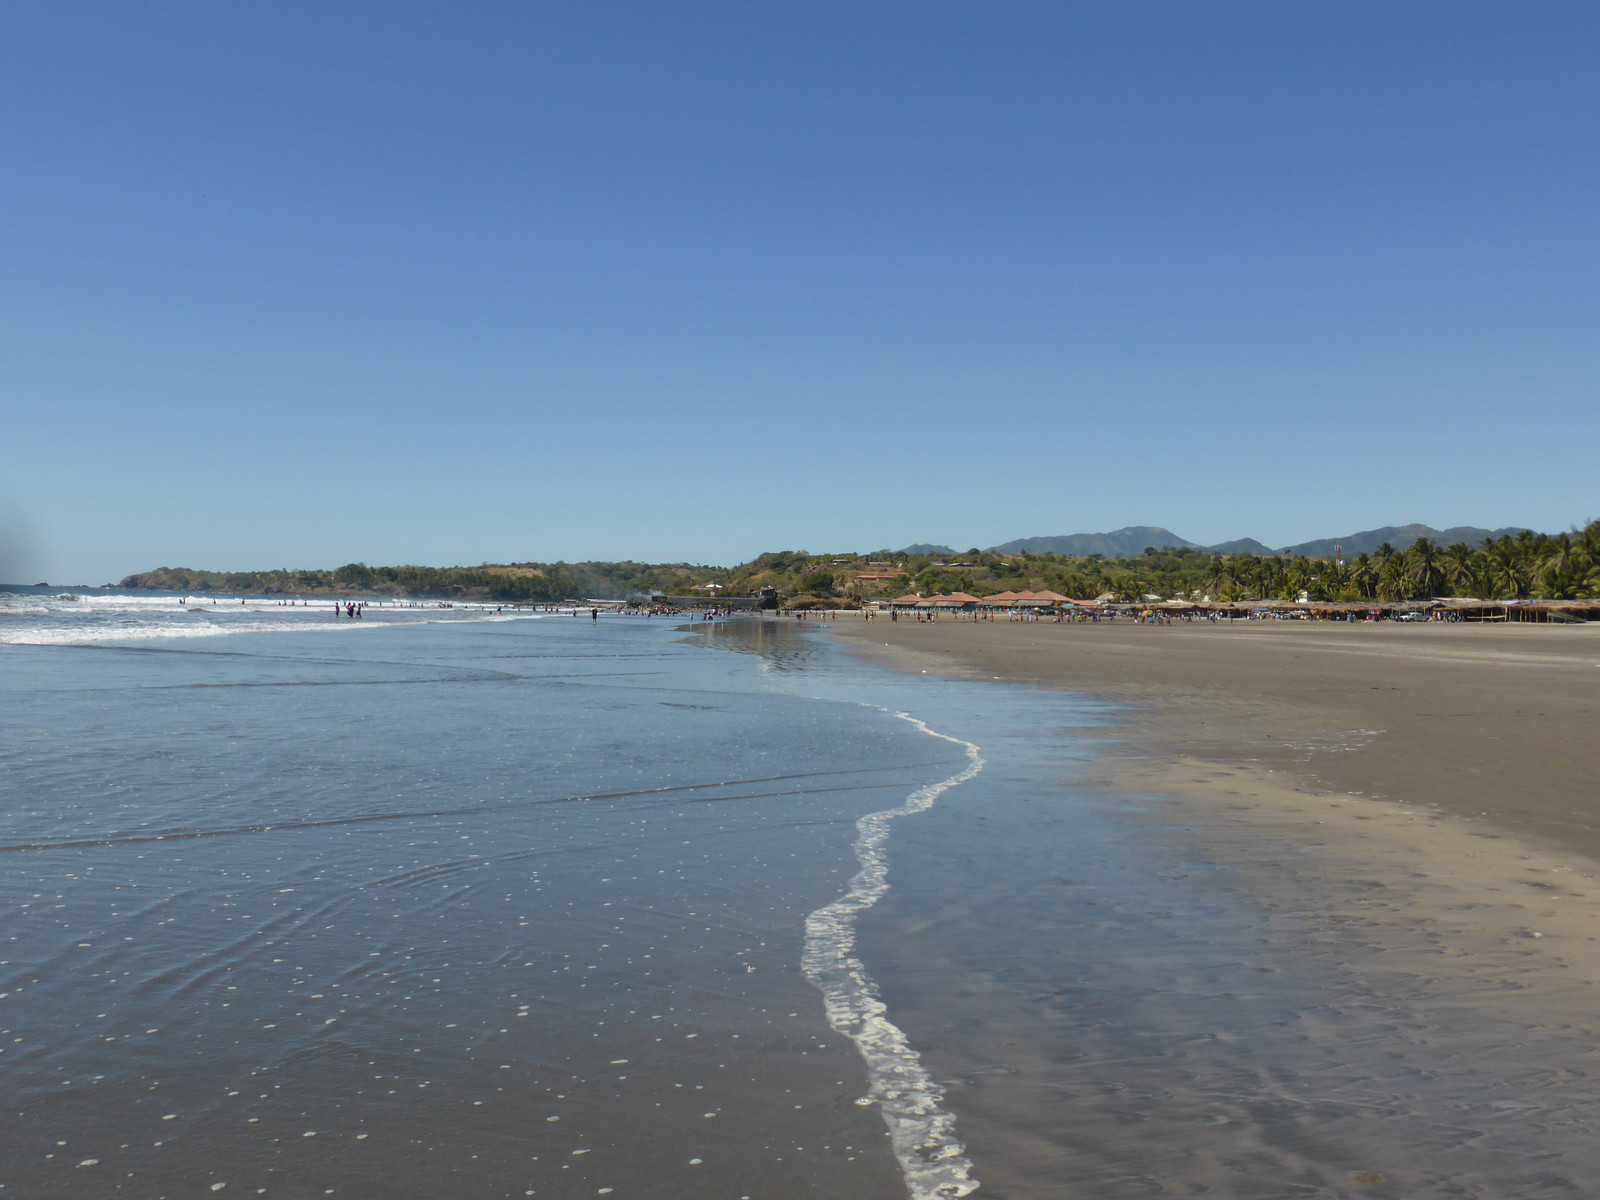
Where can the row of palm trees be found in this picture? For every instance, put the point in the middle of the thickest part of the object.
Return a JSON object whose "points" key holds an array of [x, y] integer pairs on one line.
{"points": [[1563, 566]]}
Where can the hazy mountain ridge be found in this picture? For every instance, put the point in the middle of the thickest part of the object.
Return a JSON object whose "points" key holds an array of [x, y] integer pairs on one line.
{"points": [[1131, 541], [1240, 546], [1401, 537]]}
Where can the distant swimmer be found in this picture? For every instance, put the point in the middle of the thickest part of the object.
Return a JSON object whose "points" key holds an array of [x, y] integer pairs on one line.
{"points": [[594, 614]]}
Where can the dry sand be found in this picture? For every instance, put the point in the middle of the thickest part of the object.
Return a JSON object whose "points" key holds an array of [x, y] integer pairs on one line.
{"points": [[1499, 724]]}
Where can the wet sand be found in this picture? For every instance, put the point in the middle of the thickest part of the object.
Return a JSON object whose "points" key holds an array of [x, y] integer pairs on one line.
{"points": [[1351, 949], [1497, 724]]}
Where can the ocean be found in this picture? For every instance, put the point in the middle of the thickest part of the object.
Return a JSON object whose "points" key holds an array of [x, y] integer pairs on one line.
{"points": [[465, 902]]}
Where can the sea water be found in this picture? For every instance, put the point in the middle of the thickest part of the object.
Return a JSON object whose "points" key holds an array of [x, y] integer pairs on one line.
{"points": [[431, 902], [451, 901]]}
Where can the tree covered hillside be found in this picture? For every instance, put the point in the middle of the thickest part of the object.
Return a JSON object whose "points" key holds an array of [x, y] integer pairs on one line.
{"points": [[511, 584], [1564, 566]]}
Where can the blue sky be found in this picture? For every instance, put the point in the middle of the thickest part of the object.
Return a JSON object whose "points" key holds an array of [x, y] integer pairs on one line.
{"points": [[293, 284]]}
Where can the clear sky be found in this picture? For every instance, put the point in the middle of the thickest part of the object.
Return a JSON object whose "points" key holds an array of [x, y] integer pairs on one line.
{"points": [[301, 284]]}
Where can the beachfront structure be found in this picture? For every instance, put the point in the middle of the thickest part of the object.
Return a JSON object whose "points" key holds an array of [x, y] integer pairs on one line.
{"points": [[1446, 609], [950, 602], [1559, 612], [1026, 599], [1000, 601], [943, 602]]}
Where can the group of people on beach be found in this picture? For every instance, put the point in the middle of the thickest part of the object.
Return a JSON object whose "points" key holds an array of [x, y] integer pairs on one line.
{"points": [[350, 608]]}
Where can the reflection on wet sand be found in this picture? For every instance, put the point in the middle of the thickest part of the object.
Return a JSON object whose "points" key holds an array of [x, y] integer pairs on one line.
{"points": [[1143, 974]]}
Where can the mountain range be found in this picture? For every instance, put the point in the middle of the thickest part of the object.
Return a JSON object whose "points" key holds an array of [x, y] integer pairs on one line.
{"points": [[1133, 541]]}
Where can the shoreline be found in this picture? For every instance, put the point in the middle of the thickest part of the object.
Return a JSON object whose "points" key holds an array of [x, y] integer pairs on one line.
{"points": [[1493, 725], [1312, 932]]}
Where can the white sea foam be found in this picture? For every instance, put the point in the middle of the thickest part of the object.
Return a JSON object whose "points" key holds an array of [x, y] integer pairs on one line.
{"points": [[921, 1131], [40, 620]]}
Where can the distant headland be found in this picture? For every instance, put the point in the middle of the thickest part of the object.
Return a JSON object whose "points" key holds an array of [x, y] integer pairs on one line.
{"points": [[1406, 563]]}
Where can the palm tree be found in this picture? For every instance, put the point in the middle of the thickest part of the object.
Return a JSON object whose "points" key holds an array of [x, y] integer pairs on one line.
{"points": [[1383, 566], [1333, 577], [1221, 573], [1589, 540], [1462, 569], [1075, 585], [1560, 555], [1506, 576], [1560, 575], [1269, 577], [1297, 577], [1246, 570], [1363, 578], [1427, 573]]}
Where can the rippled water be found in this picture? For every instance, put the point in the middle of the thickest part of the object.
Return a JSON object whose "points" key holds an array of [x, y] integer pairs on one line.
{"points": [[487, 908], [451, 903]]}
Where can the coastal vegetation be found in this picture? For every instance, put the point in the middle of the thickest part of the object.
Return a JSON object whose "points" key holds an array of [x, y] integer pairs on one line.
{"points": [[1563, 566], [516, 583]]}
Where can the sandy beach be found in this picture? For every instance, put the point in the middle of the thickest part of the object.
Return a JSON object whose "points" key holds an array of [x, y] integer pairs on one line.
{"points": [[1377, 974], [1496, 724]]}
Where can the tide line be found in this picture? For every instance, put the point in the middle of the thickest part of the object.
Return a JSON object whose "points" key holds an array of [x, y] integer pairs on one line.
{"points": [[922, 1133]]}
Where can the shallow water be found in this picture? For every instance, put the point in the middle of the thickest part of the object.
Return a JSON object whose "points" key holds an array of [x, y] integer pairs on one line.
{"points": [[1125, 996], [519, 906], [497, 908]]}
